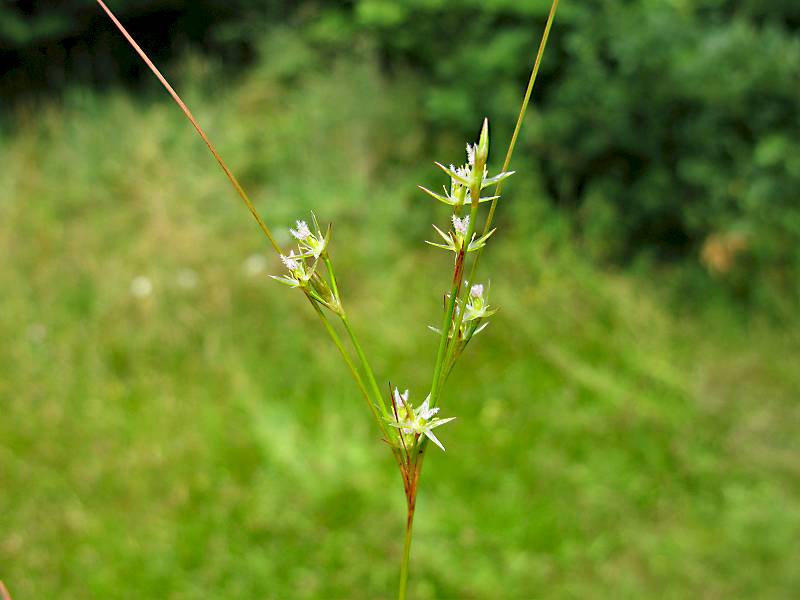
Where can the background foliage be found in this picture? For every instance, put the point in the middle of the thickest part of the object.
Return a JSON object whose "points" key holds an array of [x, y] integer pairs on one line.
{"points": [[627, 426], [665, 128]]}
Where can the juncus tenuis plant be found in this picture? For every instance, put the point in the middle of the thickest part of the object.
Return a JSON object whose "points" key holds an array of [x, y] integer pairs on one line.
{"points": [[406, 423]]}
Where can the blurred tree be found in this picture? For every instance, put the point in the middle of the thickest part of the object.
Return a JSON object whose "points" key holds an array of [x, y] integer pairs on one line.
{"points": [[660, 125]]}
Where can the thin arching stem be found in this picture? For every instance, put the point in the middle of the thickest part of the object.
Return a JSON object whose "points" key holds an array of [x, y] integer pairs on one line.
{"points": [[517, 128], [229, 174]]}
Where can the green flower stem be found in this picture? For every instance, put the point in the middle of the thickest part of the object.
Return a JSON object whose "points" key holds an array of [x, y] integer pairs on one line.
{"points": [[401, 595], [455, 290], [420, 450], [329, 264], [359, 351], [442, 352], [379, 401], [337, 341], [512, 145], [447, 319], [452, 349]]}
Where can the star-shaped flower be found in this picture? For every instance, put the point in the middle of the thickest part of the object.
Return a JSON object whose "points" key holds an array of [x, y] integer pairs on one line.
{"points": [[456, 241], [477, 304], [472, 173], [299, 273], [412, 422]]}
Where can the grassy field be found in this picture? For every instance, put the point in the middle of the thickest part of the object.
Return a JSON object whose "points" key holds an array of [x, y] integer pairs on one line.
{"points": [[200, 438]]}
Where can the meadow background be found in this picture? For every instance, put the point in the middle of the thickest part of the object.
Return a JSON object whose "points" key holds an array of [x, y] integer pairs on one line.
{"points": [[173, 424]]}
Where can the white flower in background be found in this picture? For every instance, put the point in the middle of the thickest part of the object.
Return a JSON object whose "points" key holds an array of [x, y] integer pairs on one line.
{"points": [[141, 287], [476, 291], [186, 279], [412, 422], [255, 265], [37, 332]]}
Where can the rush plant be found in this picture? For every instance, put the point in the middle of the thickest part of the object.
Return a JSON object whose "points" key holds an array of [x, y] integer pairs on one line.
{"points": [[406, 426]]}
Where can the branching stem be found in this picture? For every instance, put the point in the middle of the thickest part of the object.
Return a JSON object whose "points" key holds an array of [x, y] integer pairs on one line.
{"points": [[455, 289]]}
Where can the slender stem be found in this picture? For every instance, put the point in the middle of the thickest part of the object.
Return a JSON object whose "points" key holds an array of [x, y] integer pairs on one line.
{"points": [[365, 364], [455, 290], [329, 264], [231, 177], [350, 365], [337, 341], [452, 349], [523, 109], [406, 553], [447, 319]]}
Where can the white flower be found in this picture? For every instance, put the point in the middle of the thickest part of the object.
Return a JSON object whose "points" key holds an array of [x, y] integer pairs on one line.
{"points": [[37, 332], [187, 279], [414, 423], [298, 274], [463, 175], [477, 305], [457, 196], [310, 244], [461, 225], [255, 264], [302, 232], [289, 261], [141, 287], [471, 149]]}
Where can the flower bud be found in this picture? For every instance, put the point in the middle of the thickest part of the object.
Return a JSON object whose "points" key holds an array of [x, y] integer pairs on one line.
{"points": [[482, 152]]}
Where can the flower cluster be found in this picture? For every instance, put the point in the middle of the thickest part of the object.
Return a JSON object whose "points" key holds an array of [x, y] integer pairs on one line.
{"points": [[466, 183], [413, 423], [311, 244], [477, 304], [463, 178], [466, 307], [454, 240], [475, 309], [302, 265]]}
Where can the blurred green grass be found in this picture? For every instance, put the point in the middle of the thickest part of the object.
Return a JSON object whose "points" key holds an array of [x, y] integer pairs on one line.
{"points": [[205, 440]]}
